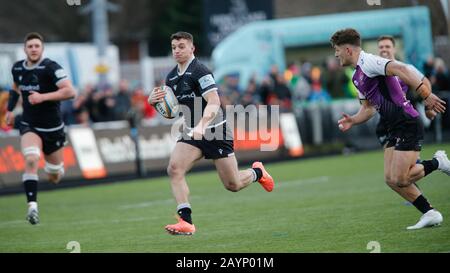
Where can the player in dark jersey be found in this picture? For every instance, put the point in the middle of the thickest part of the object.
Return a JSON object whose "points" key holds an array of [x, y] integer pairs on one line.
{"points": [[42, 83], [379, 90], [206, 135], [386, 49]]}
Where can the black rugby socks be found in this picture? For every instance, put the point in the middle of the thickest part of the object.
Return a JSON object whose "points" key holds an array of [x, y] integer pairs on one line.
{"points": [[430, 165], [422, 204]]}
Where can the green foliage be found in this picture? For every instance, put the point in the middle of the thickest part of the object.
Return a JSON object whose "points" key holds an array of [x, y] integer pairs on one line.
{"points": [[178, 16]]}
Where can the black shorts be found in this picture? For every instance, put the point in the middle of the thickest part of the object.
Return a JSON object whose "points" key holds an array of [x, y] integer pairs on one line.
{"points": [[213, 148], [407, 136], [382, 132], [51, 141]]}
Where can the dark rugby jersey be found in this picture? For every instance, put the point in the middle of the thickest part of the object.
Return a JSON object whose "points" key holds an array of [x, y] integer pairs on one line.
{"points": [[189, 88], [43, 77], [383, 92]]}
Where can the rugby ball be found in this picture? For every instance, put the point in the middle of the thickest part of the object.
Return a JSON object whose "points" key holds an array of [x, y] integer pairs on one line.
{"points": [[169, 107]]}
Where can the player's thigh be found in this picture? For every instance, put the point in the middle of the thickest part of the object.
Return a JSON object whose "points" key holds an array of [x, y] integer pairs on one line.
{"points": [[183, 158], [402, 162], [31, 139], [227, 168], [388, 155]]}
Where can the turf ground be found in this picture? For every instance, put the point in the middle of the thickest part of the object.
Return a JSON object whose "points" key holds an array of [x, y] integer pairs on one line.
{"points": [[333, 204]]}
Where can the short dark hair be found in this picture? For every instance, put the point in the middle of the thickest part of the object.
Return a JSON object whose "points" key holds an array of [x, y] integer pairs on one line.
{"points": [[386, 37], [33, 35], [346, 36], [182, 35]]}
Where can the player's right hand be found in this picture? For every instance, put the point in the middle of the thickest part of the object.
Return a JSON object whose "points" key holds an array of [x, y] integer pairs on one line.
{"points": [[9, 118], [345, 123], [433, 102], [156, 96]]}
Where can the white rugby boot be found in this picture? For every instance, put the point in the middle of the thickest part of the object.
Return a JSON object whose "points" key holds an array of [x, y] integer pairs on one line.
{"points": [[429, 219], [33, 214], [444, 163]]}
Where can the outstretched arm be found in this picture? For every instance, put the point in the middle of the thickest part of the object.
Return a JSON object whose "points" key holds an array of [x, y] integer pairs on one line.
{"points": [[366, 112], [430, 113], [410, 78]]}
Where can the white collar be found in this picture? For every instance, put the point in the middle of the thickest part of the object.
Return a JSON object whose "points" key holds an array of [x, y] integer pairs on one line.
{"points": [[360, 58], [24, 64], [186, 67]]}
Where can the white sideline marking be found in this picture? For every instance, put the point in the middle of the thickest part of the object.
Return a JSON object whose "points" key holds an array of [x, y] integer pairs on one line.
{"points": [[14, 222], [150, 203], [293, 183], [82, 222], [145, 204]]}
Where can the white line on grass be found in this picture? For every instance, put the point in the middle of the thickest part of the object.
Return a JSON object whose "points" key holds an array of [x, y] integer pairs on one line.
{"points": [[12, 223], [293, 183], [150, 203]]}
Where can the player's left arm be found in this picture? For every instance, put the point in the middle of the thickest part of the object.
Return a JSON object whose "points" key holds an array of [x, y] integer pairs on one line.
{"points": [[65, 91], [212, 107], [410, 78], [210, 112], [429, 112], [60, 79]]}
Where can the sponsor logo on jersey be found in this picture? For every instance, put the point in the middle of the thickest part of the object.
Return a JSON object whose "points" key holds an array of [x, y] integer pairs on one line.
{"points": [[192, 95], [29, 87]]}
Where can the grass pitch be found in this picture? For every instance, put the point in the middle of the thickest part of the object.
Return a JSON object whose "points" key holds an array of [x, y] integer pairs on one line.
{"points": [[333, 204]]}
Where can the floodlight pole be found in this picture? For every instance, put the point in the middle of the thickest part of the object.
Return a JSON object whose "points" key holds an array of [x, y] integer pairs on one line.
{"points": [[99, 14]]}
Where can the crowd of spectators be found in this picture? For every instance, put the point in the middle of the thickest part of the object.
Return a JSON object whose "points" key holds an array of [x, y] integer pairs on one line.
{"points": [[306, 82], [299, 83], [103, 103]]}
